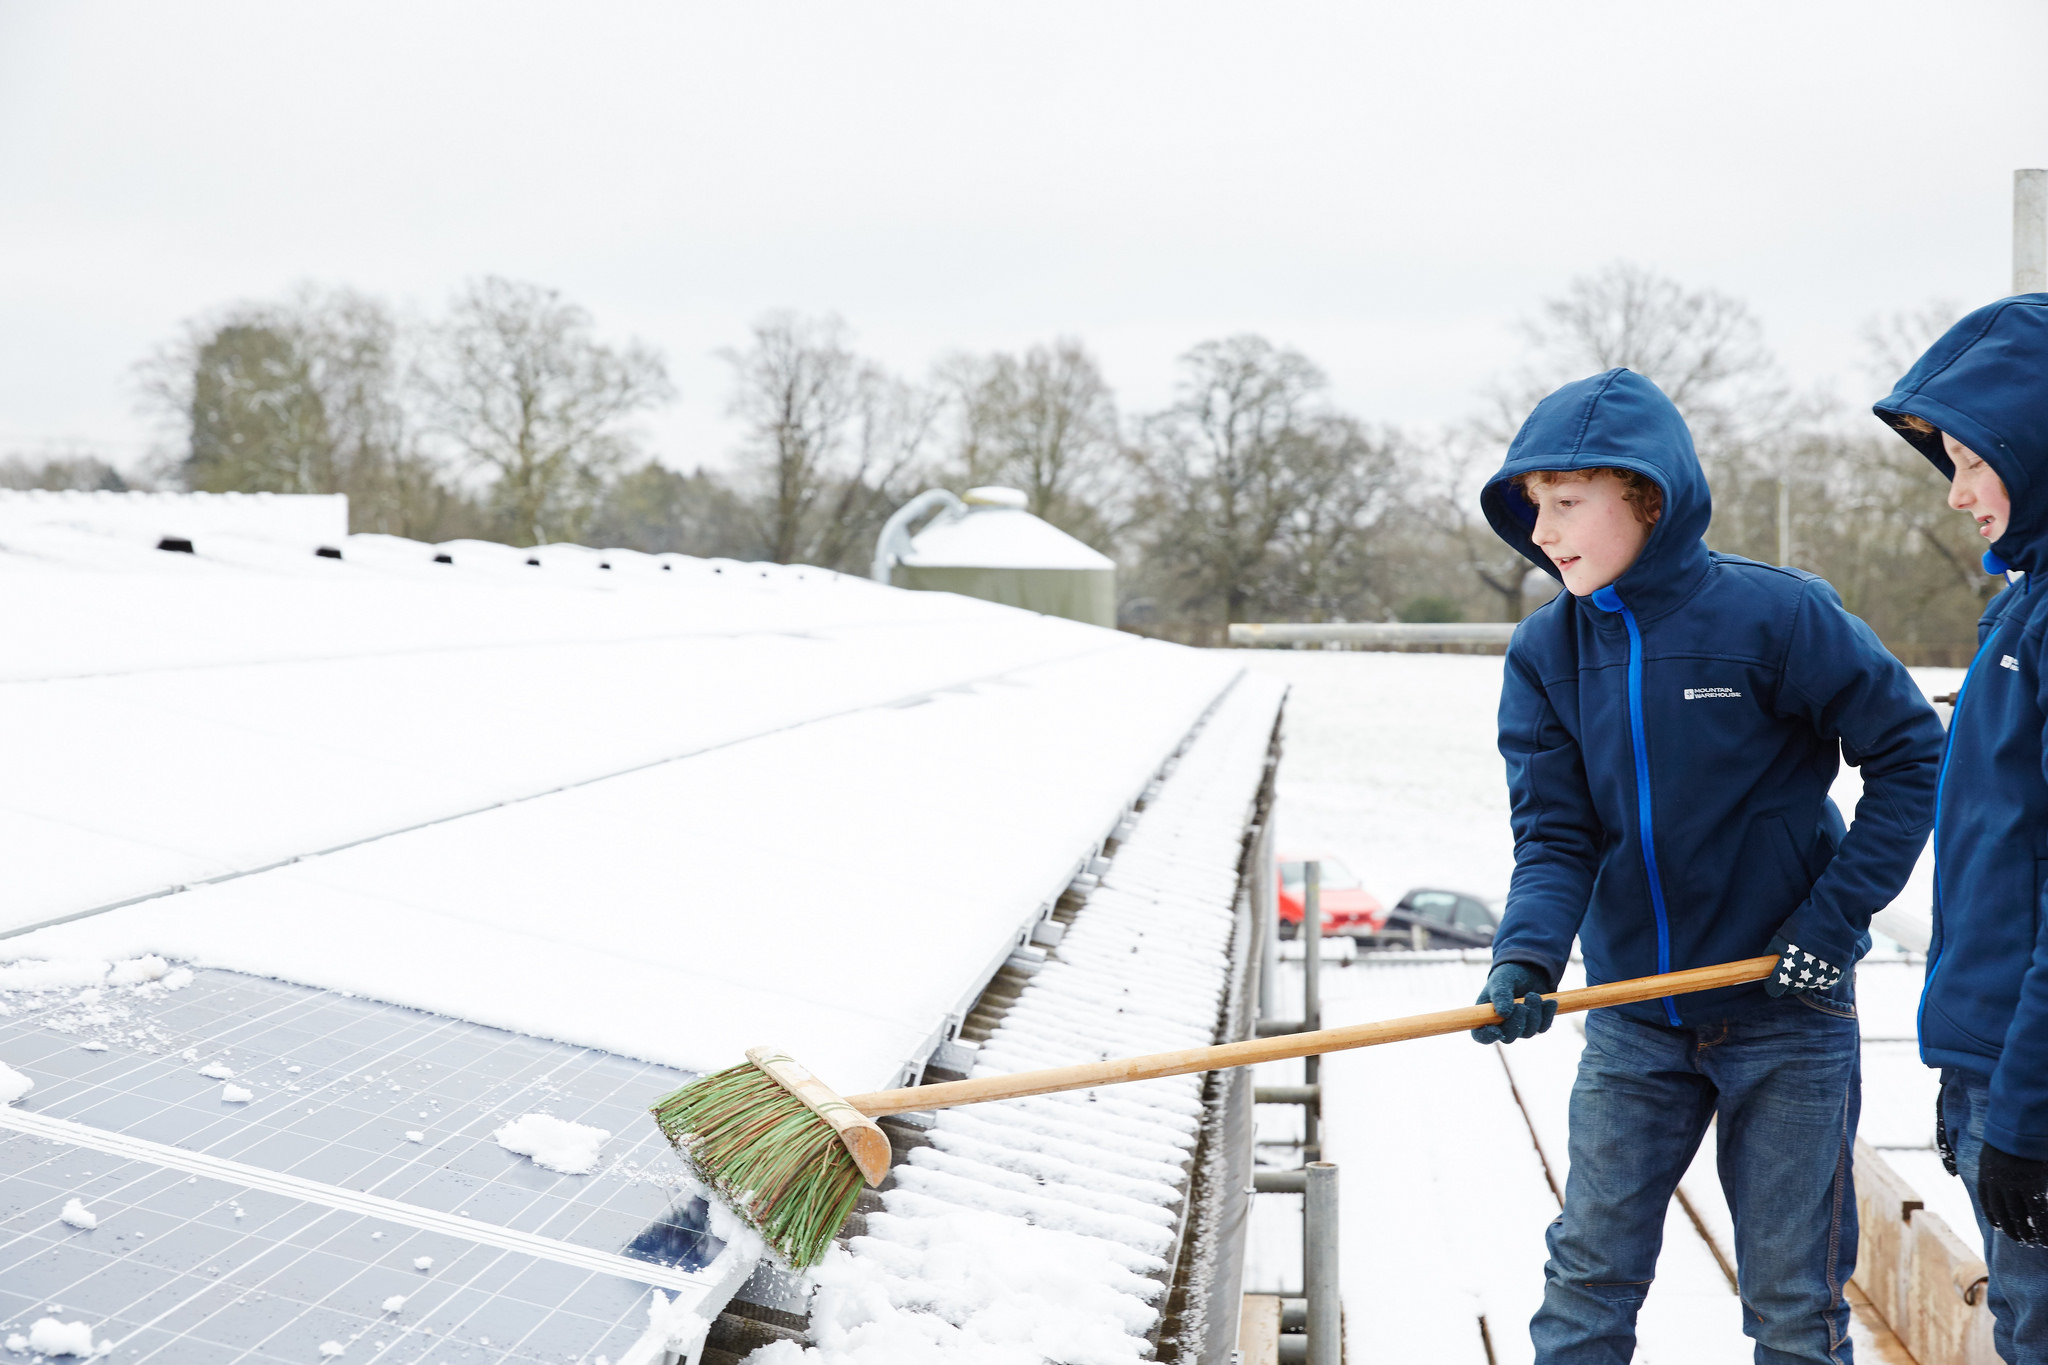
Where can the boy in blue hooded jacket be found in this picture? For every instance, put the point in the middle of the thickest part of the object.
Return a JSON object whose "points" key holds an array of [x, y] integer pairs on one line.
{"points": [[1976, 405], [1671, 725]]}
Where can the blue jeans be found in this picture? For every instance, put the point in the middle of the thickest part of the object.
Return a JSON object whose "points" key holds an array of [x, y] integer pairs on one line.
{"points": [[2018, 1292], [1785, 1082]]}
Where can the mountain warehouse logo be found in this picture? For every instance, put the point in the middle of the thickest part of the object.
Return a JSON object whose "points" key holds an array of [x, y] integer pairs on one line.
{"points": [[1709, 693], [2008, 661]]}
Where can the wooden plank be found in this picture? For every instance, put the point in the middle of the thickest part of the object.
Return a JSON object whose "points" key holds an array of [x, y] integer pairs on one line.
{"points": [[1258, 1330], [1885, 1204]]}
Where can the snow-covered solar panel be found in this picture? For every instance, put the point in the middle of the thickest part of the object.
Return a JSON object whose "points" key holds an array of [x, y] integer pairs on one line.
{"points": [[137, 1116]]}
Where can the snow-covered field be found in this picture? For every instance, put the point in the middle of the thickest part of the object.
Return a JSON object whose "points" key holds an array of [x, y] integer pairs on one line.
{"points": [[1390, 766]]}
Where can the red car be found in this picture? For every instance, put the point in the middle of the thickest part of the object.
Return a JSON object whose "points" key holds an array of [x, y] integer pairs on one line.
{"points": [[1348, 908]]}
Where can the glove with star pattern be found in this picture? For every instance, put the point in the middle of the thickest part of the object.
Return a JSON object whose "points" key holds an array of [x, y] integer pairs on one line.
{"points": [[1798, 970]]}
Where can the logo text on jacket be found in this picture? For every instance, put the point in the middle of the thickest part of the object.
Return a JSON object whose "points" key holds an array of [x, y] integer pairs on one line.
{"points": [[2007, 661], [1709, 693]]}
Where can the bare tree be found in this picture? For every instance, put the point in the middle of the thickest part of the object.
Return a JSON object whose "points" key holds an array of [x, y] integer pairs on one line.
{"points": [[1228, 466], [1044, 422], [516, 381], [1326, 548], [1893, 341], [829, 440]]}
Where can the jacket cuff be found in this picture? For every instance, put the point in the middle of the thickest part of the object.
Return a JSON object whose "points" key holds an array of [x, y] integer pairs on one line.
{"points": [[2013, 1142], [1523, 958], [1823, 933]]}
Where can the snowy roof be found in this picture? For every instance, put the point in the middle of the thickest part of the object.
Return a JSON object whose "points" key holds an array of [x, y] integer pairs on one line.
{"points": [[755, 789], [644, 808], [992, 537]]}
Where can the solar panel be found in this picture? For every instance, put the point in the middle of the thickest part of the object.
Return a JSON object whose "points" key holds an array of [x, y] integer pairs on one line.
{"points": [[352, 1103]]}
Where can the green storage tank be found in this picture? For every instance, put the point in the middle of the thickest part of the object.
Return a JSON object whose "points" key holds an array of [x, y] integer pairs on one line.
{"points": [[985, 544]]}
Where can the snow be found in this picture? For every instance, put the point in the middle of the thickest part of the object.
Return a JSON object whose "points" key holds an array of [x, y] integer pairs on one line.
{"points": [[394, 1303], [330, 1349], [1033, 1230], [235, 1094], [79, 1216], [51, 976], [422, 1263], [415, 1135], [13, 1085], [54, 1338], [217, 1072], [557, 1144], [940, 765], [180, 739], [1000, 538], [147, 968]]}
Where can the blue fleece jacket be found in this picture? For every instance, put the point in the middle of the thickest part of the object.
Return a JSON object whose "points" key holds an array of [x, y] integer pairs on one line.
{"points": [[1670, 739], [1985, 1008]]}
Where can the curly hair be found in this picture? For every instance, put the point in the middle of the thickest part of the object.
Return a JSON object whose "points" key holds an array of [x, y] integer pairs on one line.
{"points": [[1639, 491]]}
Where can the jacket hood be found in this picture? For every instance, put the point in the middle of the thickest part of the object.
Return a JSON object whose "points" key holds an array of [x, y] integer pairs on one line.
{"points": [[1986, 384], [1616, 420]]}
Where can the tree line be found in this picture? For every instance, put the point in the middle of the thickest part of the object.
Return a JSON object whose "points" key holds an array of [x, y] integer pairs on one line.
{"points": [[1252, 495]]}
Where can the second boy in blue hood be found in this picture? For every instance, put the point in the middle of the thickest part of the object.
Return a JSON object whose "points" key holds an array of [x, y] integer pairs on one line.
{"points": [[1976, 405], [1670, 735]]}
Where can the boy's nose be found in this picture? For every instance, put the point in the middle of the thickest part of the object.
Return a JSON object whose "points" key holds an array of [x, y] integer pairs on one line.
{"points": [[1957, 495]]}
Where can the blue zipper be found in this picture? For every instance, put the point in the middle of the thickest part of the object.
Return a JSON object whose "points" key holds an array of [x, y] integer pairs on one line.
{"points": [[1948, 744], [1607, 599]]}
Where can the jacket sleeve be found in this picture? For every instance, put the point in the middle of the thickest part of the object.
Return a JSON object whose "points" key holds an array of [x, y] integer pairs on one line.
{"points": [[1850, 688], [1557, 832], [2017, 1119]]}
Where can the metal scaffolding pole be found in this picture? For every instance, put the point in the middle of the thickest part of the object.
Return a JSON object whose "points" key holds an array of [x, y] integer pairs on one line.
{"points": [[2029, 231], [1319, 1269], [1312, 1002]]}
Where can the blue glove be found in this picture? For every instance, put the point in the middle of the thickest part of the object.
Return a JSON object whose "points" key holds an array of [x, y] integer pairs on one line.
{"points": [[1798, 970], [1515, 990]]}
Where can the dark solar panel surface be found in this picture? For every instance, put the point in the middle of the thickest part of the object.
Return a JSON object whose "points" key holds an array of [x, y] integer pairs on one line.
{"points": [[183, 1268]]}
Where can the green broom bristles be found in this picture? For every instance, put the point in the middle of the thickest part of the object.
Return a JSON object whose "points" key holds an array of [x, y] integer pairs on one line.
{"points": [[778, 1165]]}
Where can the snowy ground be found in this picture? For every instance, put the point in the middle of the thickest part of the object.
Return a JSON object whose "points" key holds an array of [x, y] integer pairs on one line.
{"points": [[1390, 766]]}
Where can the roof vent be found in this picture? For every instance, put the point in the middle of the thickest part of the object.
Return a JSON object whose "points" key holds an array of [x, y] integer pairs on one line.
{"points": [[176, 545], [328, 552], [666, 567], [534, 562], [444, 558], [602, 564]]}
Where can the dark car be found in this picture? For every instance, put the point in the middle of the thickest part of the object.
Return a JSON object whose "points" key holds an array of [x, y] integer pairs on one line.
{"points": [[1429, 918]]}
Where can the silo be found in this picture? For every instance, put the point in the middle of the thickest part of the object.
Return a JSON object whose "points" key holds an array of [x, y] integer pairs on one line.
{"points": [[985, 544]]}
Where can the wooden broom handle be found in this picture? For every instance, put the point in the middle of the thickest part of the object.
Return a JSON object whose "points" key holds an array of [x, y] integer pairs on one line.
{"points": [[947, 1094]]}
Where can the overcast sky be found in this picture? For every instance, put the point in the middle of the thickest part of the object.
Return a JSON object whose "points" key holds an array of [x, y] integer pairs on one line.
{"points": [[1384, 186]]}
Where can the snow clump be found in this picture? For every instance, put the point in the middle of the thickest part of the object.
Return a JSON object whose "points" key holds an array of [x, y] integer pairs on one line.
{"points": [[54, 1338], [79, 1216], [331, 1348], [235, 1094], [394, 1303], [423, 1263], [137, 971], [177, 978], [215, 1071], [13, 1085], [60, 975], [557, 1144], [415, 1135]]}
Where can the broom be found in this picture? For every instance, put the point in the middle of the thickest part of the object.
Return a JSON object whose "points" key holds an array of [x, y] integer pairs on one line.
{"points": [[789, 1155]]}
